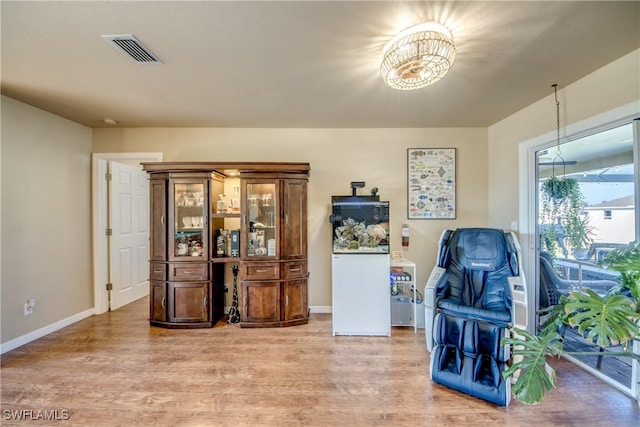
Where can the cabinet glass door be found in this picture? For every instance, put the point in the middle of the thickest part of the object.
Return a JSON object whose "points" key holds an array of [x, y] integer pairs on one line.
{"points": [[189, 220], [261, 219]]}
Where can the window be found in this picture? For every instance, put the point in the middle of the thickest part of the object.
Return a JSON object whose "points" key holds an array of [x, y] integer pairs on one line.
{"points": [[598, 172]]}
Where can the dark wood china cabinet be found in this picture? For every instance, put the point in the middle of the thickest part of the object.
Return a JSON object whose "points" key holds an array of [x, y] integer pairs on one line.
{"points": [[186, 262]]}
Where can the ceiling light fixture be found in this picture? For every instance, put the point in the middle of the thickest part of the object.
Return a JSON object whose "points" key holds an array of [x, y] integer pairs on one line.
{"points": [[417, 57]]}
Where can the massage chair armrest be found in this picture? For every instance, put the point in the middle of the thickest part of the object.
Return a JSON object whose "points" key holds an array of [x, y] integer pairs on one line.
{"points": [[476, 314], [519, 301], [437, 274]]}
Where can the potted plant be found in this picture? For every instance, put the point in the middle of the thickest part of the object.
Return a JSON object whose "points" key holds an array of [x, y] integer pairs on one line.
{"points": [[560, 188], [579, 234], [612, 319], [562, 221]]}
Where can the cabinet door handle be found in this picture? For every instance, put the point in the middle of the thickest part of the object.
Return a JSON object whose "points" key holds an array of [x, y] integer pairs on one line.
{"points": [[286, 218], [294, 268], [157, 271], [286, 300], [261, 270], [204, 302], [162, 219], [163, 303]]}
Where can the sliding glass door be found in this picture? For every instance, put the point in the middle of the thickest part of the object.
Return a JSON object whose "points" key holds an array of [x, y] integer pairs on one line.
{"points": [[587, 208]]}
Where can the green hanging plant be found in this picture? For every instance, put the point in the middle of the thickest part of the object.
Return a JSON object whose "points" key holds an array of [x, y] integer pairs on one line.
{"points": [[561, 188], [561, 214]]}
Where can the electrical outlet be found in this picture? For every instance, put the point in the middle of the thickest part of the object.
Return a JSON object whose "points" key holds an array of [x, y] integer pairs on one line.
{"points": [[29, 306]]}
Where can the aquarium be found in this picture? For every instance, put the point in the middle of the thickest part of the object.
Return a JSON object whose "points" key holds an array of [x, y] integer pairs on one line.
{"points": [[360, 225]]}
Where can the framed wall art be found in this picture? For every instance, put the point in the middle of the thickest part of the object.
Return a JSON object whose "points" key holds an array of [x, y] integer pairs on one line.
{"points": [[431, 186]]}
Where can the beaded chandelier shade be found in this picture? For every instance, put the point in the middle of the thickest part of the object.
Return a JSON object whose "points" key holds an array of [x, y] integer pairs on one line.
{"points": [[417, 57]]}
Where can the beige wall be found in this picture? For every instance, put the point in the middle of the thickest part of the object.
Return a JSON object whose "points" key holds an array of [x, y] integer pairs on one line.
{"points": [[337, 157], [615, 85], [46, 252]]}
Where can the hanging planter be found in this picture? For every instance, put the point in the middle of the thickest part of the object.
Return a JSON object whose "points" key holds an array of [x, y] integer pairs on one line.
{"points": [[560, 188], [562, 216], [563, 225]]}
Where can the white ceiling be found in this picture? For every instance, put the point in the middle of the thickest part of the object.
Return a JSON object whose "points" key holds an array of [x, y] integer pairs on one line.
{"points": [[299, 63], [606, 150]]}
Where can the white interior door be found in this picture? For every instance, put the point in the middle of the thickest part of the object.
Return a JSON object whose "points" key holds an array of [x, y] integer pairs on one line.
{"points": [[129, 246]]}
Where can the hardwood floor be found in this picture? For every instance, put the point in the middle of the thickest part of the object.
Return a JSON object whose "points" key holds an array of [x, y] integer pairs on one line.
{"points": [[116, 370]]}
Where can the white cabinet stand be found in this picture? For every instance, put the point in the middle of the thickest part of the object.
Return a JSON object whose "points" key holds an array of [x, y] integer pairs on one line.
{"points": [[360, 288]]}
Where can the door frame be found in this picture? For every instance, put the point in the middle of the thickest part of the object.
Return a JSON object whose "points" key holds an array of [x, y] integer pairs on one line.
{"points": [[99, 197], [528, 203]]}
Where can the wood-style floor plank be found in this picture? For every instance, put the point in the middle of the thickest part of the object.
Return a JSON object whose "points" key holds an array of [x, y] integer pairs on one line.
{"points": [[116, 370]]}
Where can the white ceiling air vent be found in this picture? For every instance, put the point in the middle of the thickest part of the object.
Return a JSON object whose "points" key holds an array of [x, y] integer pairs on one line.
{"points": [[130, 46]]}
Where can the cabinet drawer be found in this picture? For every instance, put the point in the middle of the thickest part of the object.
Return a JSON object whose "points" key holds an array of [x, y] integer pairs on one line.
{"points": [[188, 271], [294, 270], [157, 271], [261, 270]]}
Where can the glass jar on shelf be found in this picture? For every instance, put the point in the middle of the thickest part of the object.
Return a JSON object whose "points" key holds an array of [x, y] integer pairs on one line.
{"points": [[221, 205], [198, 198], [235, 200], [186, 222], [270, 219], [253, 209]]}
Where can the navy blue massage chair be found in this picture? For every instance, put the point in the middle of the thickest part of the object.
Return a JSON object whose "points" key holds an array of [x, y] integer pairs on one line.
{"points": [[474, 295]]}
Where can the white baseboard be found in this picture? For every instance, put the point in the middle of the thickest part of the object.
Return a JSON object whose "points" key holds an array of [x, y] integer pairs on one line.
{"points": [[32, 336]]}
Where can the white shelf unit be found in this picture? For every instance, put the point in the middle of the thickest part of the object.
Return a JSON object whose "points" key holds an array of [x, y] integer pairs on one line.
{"points": [[404, 309]]}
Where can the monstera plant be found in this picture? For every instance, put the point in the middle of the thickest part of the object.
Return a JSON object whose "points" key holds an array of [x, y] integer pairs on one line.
{"points": [[609, 320]]}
